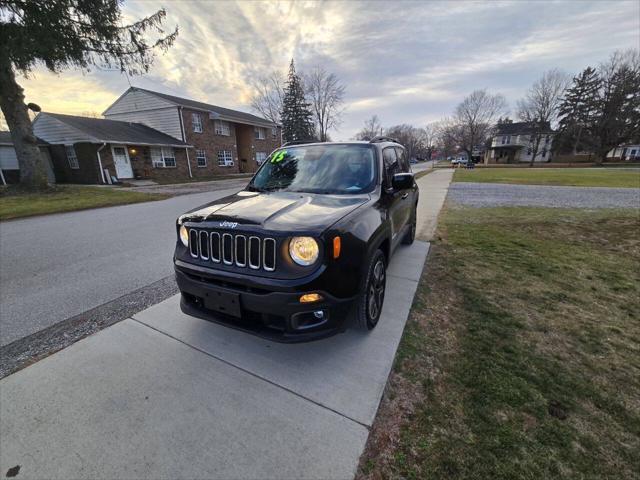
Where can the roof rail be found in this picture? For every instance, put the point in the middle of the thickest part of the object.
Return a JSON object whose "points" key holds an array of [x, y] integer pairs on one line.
{"points": [[381, 139], [296, 142]]}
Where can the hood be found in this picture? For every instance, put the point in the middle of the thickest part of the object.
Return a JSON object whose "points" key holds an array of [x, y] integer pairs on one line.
{"points": [[279, 210]]}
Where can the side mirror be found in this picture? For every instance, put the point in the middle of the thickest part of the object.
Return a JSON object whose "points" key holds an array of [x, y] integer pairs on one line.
{"points": [[402, 181]]}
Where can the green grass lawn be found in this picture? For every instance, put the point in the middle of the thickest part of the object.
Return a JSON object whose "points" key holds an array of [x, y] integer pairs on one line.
{"points": [[521, 357], [581, 177], [16, 204]]}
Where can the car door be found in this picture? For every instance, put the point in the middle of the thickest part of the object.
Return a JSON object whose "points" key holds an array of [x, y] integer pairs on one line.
{"points": [[406, 196], [394, 198]]}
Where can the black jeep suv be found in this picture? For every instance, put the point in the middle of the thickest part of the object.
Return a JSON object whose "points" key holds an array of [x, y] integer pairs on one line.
{"points": [[306, 242]]}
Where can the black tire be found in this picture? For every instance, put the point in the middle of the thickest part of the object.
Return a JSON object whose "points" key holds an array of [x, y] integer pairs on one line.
{"points": [[410, 236], [371, 299]]}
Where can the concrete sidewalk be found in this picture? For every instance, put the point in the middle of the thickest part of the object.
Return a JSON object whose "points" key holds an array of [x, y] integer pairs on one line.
{"points": [[433, 191], [164, 395]]}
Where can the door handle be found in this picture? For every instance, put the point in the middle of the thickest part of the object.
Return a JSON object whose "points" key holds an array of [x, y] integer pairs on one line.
{"points": [[405, 196]]}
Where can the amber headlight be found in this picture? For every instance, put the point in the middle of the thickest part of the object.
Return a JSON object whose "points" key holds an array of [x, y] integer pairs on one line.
{"points": [[303, 250], [184, 235]]}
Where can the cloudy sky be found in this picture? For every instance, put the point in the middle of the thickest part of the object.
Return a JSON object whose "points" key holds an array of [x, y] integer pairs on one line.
{"points": [[406, 62]]}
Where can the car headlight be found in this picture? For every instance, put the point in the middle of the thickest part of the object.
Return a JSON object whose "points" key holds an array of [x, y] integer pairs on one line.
{"points": [[303, 250], [184, 235]]}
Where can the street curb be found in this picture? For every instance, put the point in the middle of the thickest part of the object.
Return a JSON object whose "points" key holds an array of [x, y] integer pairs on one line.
{"points": [[28, 350]]}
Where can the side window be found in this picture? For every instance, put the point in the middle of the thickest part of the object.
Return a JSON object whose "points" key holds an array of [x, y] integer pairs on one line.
{"points": [[391, 166], [402, 160]]}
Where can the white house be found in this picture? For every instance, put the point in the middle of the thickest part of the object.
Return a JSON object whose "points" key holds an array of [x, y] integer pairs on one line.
{"points": [[514, 143], [625, 153]]}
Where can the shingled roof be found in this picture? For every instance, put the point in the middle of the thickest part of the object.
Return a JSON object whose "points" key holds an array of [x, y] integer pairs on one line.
{"points": [[5, 139], [115, 131], [520, 128], [224, 112]]}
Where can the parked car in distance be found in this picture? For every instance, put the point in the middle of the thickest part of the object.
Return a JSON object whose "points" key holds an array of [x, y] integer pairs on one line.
{"points": [[459, 161], [304, 244]]}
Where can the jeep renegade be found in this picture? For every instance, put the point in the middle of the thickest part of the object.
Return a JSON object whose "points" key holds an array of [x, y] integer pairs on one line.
{"points": [[304, 244]]}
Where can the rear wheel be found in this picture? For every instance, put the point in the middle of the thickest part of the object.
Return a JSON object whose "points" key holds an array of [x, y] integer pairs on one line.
{"points": [[372, 298], [410, 236]]}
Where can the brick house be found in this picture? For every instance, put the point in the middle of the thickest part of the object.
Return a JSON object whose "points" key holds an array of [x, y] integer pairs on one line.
{"points": [[221, 141], [96, 150]]}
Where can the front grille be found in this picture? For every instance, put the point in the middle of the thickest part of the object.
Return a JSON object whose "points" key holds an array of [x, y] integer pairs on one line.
{"points": [[239, 250]]}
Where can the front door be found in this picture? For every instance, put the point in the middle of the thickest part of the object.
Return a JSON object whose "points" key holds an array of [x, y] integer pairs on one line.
{"points": [[122, 162]]}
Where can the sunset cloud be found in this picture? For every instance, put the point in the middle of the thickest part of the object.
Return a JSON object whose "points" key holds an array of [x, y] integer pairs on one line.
{"points": [[406, 62]]}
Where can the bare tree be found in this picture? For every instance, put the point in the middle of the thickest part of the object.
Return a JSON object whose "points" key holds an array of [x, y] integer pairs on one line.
{"points": [[326, 93], [431, 137], [410, 137], [541, 105], [268, 96], [448, 133], [474, 119], [91, 114], [372, 128]]}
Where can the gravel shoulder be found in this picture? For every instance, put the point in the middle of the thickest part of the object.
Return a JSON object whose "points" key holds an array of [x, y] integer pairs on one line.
{"points": [[497, 195]]}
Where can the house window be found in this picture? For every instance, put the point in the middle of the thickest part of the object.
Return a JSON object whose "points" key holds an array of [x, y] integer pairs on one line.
{"points": [[225, 158], [222, 128], [259, 133], [196, 121], [632, 154], [529, 151], [547, 139], [274, 132], [544, 152], [163, 157], [71, 157], [201, 158], [261, 157]]}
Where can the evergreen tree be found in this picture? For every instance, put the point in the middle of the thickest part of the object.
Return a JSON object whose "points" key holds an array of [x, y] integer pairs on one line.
{"points": [[578, 112], [297, 118]]}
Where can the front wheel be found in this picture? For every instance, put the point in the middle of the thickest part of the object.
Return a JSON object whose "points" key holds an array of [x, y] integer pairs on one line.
{"points": [[372, 298]]}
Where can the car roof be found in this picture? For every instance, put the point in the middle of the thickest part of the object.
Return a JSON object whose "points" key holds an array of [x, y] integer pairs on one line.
{"points": [[346, 142]]}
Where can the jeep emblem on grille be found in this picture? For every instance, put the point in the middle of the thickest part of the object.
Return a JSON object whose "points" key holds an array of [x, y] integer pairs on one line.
{"points": [[226, 224]]}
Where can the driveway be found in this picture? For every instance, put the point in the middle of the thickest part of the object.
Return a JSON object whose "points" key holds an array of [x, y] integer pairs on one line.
{"points": [[495, 195], [164, 395], [58, 266]]}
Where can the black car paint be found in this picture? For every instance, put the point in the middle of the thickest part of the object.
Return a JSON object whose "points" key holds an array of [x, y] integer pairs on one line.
{"points": [[364, 222]]}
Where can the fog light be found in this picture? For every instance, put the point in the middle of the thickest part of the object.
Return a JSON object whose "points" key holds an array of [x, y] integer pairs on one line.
{"points": [[319, 314], [310, 297]]}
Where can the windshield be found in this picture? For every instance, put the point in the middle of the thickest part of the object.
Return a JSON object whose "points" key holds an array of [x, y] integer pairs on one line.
{"points": [[330, 168]]}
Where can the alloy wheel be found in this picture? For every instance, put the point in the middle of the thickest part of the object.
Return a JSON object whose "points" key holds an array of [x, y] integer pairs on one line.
{"points": [[376, 291]]}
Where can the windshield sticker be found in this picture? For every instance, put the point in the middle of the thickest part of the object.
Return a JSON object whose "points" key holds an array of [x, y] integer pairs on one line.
{"points": [[279, 156]]}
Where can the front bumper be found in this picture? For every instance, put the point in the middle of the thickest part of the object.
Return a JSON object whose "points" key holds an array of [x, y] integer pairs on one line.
{"points": [[267, 312]]}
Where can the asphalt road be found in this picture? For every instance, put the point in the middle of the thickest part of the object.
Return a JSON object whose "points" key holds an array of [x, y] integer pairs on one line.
{"points": [[58, 266], [496, 195]]}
